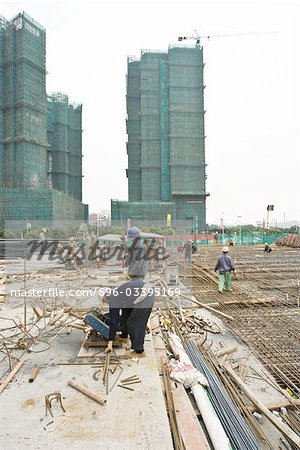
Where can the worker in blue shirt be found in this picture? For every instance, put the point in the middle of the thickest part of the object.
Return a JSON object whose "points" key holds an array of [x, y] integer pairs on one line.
{"points": [[225, 266], [137, 259], [134, 300]]}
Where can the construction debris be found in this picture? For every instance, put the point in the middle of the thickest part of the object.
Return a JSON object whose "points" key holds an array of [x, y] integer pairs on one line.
{"points": [[87, 392], [34, 374], [49, 398]]}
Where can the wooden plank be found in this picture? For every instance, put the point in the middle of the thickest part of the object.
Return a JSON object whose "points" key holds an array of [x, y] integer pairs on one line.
{"points": [[203, 305], [192, 435], [226, 350], [11, 375], [88, 352], [57, 316], [87, 392], [278, 423], [38, 312], [285, 403]]}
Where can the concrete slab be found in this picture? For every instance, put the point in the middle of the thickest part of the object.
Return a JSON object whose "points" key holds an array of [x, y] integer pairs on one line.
{"points": [[129, 420]]}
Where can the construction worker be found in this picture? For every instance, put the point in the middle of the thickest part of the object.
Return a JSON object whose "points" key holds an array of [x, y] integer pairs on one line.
{"points": [[137, 254], [180, 248], [225, 266], [231, 242], [151, 248], [188, 248], [93, 239], [71, 258], [134, 300], [42, 236], [267, 248], [88, 249], [216, 238], [93, 254], [194, 247]]}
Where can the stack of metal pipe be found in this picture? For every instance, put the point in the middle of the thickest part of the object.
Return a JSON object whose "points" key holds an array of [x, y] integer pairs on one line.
{"points": [[240, 435]]}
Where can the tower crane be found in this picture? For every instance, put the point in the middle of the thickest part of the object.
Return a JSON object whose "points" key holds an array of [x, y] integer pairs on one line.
{"points": [[197, 38]]}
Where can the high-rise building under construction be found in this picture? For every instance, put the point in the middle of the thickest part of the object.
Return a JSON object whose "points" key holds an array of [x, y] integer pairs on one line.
{"points": [[40, 138], [166, 140]]}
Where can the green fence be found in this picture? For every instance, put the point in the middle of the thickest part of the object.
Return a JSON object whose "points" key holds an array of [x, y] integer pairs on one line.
{"points": [[238, 239], [245, 238]]}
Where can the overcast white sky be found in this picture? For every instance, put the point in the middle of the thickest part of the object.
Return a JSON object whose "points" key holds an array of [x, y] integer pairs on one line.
{"points": [[251, 95]]}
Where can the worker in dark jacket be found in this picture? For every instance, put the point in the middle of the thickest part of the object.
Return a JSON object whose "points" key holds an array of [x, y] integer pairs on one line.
{"points": [[225, 266], [267, 248], [188, 249], [134, 300], [137, 254]]}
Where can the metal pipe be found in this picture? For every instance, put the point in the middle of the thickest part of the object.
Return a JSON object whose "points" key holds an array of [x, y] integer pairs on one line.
{"points": [[213, 425]]}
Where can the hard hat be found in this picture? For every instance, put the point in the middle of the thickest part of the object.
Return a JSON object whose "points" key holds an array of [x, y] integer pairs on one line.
{"points": [[44, 230], [225, 249], [266, 243], [190, 240], [133, 233], [72, 238]]}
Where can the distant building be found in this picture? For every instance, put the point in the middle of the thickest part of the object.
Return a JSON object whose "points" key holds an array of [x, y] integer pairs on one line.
{"points": [[166, 140], [65, 140], [40, 164]]}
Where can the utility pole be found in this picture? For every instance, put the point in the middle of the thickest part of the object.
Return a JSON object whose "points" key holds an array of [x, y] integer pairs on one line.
{"points": [[269, 208], [240, 217], [222, 228]]}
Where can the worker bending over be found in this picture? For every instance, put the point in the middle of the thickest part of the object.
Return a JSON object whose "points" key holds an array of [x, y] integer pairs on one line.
{"points": [[134, 300], [225, 266], [267, 248]]}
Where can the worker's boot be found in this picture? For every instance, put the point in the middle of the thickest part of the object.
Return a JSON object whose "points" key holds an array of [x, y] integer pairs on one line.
{"points": [[135, 355], [125, 343]]}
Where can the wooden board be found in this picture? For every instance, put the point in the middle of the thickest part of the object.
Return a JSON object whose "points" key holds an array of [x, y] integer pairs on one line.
{"points": [[188, 424], [91, 346]]}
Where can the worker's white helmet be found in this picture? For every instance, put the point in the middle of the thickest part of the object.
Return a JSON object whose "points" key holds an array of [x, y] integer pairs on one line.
{"points": [[266, 243], [225, 249]]}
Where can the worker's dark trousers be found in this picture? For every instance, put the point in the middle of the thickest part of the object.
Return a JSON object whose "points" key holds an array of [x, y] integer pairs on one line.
{"points": [[134, 322], [123, 322]]}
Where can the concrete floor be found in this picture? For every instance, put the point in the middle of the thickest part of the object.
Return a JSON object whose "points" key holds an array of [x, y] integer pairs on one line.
{"points": [[129, 419]]}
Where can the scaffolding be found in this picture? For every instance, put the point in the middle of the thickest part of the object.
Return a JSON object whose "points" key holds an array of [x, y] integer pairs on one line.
{"points": [[165, 127], [133, 125], [187, 152], [37, 181], [24, 107], [65, 139], [48, 204]]}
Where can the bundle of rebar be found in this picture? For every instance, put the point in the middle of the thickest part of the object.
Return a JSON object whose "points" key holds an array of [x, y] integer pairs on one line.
{"points": [[240, 435]]}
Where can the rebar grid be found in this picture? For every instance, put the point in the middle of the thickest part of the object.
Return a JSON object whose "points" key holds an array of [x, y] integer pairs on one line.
{"points": [[264, 305]]}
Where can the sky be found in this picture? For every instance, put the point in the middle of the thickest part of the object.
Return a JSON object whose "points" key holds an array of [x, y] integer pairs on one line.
{"points": [[251, 95]]}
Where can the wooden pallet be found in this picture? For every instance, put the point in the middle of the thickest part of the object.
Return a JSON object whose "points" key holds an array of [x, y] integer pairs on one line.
{"points": [[93, 344]]}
